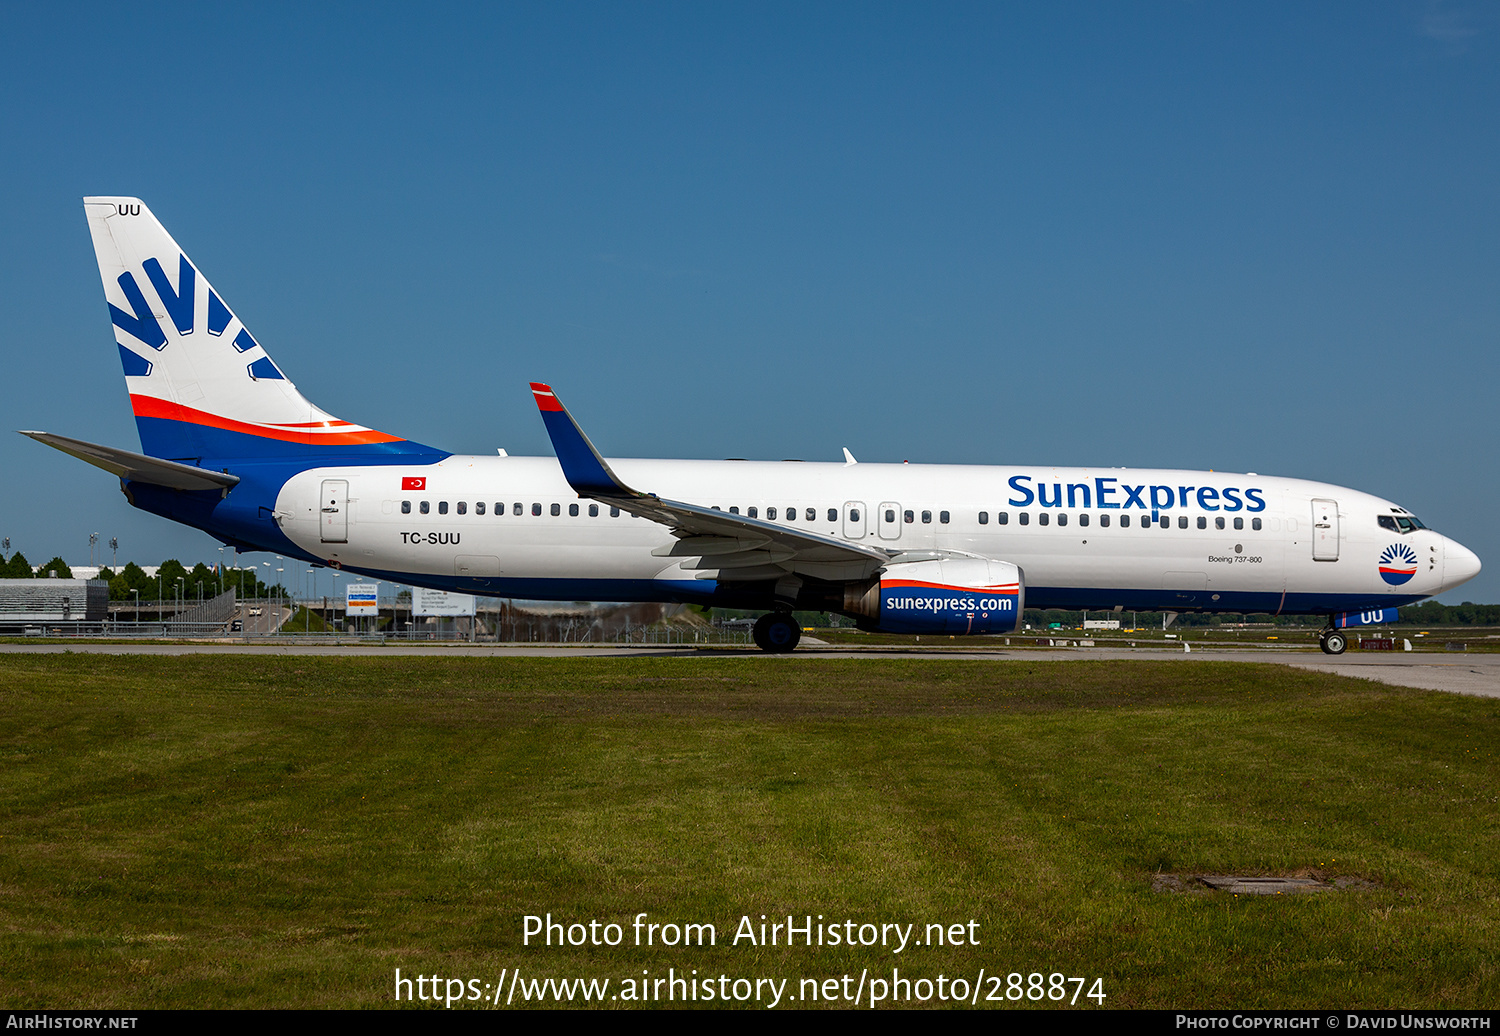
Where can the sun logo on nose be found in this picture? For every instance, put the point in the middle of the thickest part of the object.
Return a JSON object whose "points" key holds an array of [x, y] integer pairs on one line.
{"points": [[1398, 563]]}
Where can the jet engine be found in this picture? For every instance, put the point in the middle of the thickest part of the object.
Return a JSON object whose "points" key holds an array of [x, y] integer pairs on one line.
{"points": [[948, 595]]}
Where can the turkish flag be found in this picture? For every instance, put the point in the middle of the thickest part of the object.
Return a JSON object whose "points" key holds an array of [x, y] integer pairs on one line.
{"points": [[418, 484]]}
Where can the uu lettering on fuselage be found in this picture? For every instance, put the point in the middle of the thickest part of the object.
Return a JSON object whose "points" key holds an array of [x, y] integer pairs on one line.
{"points": [[229, 446]]}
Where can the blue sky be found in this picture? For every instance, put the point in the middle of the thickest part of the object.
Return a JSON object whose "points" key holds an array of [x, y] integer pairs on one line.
{"points": [[1243, 237]]}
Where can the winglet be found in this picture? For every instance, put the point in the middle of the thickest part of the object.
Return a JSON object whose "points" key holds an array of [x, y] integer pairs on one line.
{"points": [[582, 466]]}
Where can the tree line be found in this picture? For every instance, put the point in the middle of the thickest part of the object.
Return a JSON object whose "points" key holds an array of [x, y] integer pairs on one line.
{"points": [[164, 585]]}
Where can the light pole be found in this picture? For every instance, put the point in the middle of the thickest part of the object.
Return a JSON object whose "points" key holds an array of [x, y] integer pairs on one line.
{"points": [[137, 595], [93, 539], [114, 551]]}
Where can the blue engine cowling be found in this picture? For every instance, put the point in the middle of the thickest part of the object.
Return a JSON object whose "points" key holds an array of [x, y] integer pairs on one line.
{"points": [[951, 595]]}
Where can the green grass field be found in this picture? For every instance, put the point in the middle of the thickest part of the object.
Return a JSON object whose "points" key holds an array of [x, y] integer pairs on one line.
{"points": [[272, 831]]}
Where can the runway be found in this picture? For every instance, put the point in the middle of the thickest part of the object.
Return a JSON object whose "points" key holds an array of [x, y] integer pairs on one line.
{"points": [[1476, 673]]}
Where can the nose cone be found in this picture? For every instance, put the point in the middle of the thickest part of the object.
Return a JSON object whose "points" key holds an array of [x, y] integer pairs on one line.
{"points": [[1460, 564]]}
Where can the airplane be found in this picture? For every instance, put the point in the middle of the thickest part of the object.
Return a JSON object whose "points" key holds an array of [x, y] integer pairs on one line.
{"points": [[231, 447]]}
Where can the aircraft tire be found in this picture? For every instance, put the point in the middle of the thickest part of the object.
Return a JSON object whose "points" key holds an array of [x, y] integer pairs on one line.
{"points": [[776, 633], [1333, 642]]}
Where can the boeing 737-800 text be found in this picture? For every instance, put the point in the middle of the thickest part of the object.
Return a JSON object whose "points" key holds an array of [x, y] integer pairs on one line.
{"points": [[231, 447]]}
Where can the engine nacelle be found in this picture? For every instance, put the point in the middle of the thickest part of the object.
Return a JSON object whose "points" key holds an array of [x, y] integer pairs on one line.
{"points": [[951, 595]]}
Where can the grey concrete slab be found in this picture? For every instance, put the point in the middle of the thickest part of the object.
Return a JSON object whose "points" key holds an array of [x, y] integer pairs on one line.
{"points": [[1458, 673]]}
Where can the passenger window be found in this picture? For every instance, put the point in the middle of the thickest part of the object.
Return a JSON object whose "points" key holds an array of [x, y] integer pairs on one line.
{"points": [[791, 514], [1202, 522], [593, 510], [614, 512], [1182, 521], [479, 507], [1025, 518], [752, 512], [1104, 520], [811, 515], [442, 507], [909, 517], [406, 507], [926, 517], [1062, 519], [1003, 518], [556, 510], [984, 517], [1043, 518], [770, 514], [516, 509], [1124, 521], [1255, 524], [854, 514], [1083, 519], [463, 507], [536, 510], [1218, 523], [943, 517], [1164, 521], [1239, 523], [424, 507], [734, 510], [890, 517], [572, 510]]}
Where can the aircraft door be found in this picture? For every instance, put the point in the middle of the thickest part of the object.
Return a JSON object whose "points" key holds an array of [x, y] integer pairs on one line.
{"points": [[889, 520], [854, 520], [1325, 520], [334, 510]]}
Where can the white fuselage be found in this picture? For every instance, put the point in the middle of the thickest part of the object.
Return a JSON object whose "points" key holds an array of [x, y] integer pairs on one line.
{"points": [[1229, 542]]}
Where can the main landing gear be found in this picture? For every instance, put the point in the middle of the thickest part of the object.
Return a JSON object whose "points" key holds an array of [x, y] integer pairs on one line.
{"points": [[776, 633], [1333, 642]]}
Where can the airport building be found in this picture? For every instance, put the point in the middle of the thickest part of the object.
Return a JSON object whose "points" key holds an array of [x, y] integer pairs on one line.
{"points": [[51, 602]]}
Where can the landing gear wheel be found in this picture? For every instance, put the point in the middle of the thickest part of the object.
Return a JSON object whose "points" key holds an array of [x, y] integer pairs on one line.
{"points": [[776, 633], [1333, 642]]}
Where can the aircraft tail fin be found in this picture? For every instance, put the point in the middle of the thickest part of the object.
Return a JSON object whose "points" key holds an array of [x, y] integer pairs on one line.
{"points": [[200, 384]]}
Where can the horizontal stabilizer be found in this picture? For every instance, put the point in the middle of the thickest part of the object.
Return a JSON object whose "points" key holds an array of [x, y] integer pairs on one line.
{"points": [[138, 467]]}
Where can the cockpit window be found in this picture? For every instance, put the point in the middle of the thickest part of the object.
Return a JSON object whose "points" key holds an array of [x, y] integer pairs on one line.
{"points": [[1402, 523]]}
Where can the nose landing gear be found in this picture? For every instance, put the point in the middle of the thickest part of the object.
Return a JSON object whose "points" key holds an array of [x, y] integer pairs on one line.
{"points": [[1333, 642]]}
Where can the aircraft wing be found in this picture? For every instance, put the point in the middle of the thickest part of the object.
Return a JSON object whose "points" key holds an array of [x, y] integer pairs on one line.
{"points": [[138, 467], [718, 544]]}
